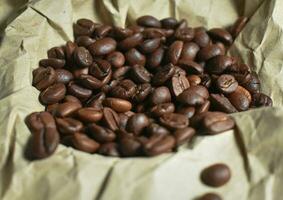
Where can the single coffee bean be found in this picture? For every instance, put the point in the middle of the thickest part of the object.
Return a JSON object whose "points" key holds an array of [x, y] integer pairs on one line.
{"points": [[163, 74], [110, 119], [116, 59], [221, 103], [136, 28], [251, 83], [43, 77], [70, 98], [84, 41], [67, 109], [183, 135], [155, 58], [53, 94], [210, 196], [102, 31], [217, 122], [193, 96], [63, 76], [222, 47], [161, 109], [221, 35], [82, 57], [179, 83], [174, 51], [169, 23], [156, 129], [219, 64], [102, 46], [160, 95], [78, 91], [131, 42], [119, 105], [101, 134], [150, 33], [121, 73], [150, 45], [140, 74], [238, 26], [122, 33], [67, 126], [226, 83], [52, 62], [78, 72], [191, 67], [89, 81], [125, 89], [174, 120], [130, 146], [83, 143], [84, 27], [187, 111], [148, 21], [142, 92], [137, 123], [260, 99], [209, 52], [185, 34], [134, 57], [89, 114], [109, 149], [100, 68], [216, 175], [56, 52], [158, 144], [194, 79], [201, 38], [190, 50], [240, 98]]}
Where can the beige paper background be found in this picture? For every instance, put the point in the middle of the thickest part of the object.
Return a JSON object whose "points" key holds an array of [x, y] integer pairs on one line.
{"points": [[254, 154]]}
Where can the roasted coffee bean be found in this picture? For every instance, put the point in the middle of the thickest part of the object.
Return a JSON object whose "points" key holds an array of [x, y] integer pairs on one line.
{"points": [[216, 175], [221, 103], [240, 98], [210, 196], [159, 144], [67, 109], [217, 122], [109, 149], [100, 134], [204, 107], [174, 51], [155, 58], [121, 73], [226, 83], [70, 98], [140, 74], [78, 91], [56, 52], [187, 111], [219, 64], [163, 74], [85, 41], [111, 119], [136, 28], [142, 92], [221, 35], [251, 83], [130, 146], [52, 62], [201, 38], [119, 105], [148, 21], [69, 50], [222, 47], [131, 42], [89, 114], [84, 27], [185, 34], [83, 143], [43, 77], [124, 90], [179, 83], [190, 50], [150, 45], [191, 67], [116, 59], [156, 129], [53, 94], [161, 109], [137, 123], [89, 81], [205, 80], [238, 68], [238, 26], [100, 68], [183, 135], [102, 46], [260, 99], [169, 23], [194, 79], [121, 33], [63, 76], [102, 31], [123, 119], [96, 100], [68, 126], [174, 120], [209, 52], [134, 57], [45, 137], [82, 57], [78, 72], [160, 95], [150, 33], [194, 95]]}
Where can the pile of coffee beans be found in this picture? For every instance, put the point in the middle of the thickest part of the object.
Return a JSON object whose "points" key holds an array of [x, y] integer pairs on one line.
{"points": [[142, 90]]}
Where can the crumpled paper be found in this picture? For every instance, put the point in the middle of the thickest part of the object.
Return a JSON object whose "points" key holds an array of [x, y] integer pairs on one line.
{"points": [[254, 151]]}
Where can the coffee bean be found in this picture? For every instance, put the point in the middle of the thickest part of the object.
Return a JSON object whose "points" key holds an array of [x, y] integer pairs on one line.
{"points": [[155, 58], [121, 73], [53, 94], [43, 77], [130, 146], [102, 31], [238, 68], [82, 57], [84, 41], [116, 59], [183, 135], [169, 23], [148, 21], [209, 52], [201, 38], [142, 92], [140, 74], [251, 83], [158, 144], [204, 107], [119, 105], [219, 64], [194, 79], [137, 123], [111, 119], [124, 90], [216, 122], [67, 109], [63, 76], [183, 23], [56, 52], [150, 33], [131, 42], [102, 46], [174, 51], [109, 149], [89, 114], [260, 99], [78, 72], [216, 175], [190, 50], [210, 196], [122, 33], [78, 91], [161, 109], [179, 83], [68, 126], [150, 45], [191, 67], [100, 69], [163, 74], [187, 111], [238, 26], [83, 143], [221, 35], [52, 62], [156, 129], [160, 95], [185, 34], [101, 134], [136, 28], [70, 98], [89, 81], [226, 83], [69, 50], [84, 27], [240, 98], [134, 57], [221, 103], [174, 120], [194, 95]]}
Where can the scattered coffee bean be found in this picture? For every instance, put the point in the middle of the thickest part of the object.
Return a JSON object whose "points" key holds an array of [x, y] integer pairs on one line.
{"points": [[216, 175]]}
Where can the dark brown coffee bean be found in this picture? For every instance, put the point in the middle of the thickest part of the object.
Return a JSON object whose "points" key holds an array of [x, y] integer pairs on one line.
{"points": [[216, 175], [96, 100], [174, 51], [226, 83], [169, 23], [163, 74], [150, 33], [221, 103], [69, 50], [70, 98], [204, 107], [53, 94], [217, 122], [205, 80], [219, 64], [190, 66], [260, 99], [123, 119], [84, 27], [161, 109], [82, 57], [102, 46], [209, 52], [183, 23], [89, 114], [210, 196], [56, 52], [142, 92], [67, 109], [45, 137], [150, 45], [100, 134], [148, 21], [102, 31], [251, 83], [119, 105], [109, 149], [78, 72], [179, 83], [194, 79], [183, 135], [160, 95], [194, 95], [155, 58], [185, 34], [116, 59], [222, 47], [83, 143], [201, 38], [78, 91], [100, 68], [111, 118], [190, 50], [240, 98], [156, 129], [174, 120], [134, 57], [43, 77], [125, 89], [121, 73], [140, 74], [221, 35], [52, 62], [63, 76], [137, 123], [130, 146], [238, 68], [67, 126], [131, 42], [122, 33], [89, 81], [238, 26], [85, 41], [159, 144], [187, 111], [136, 28]]}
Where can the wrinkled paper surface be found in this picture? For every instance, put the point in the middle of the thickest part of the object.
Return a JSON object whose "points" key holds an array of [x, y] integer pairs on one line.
{"points": [[254, 152]]}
